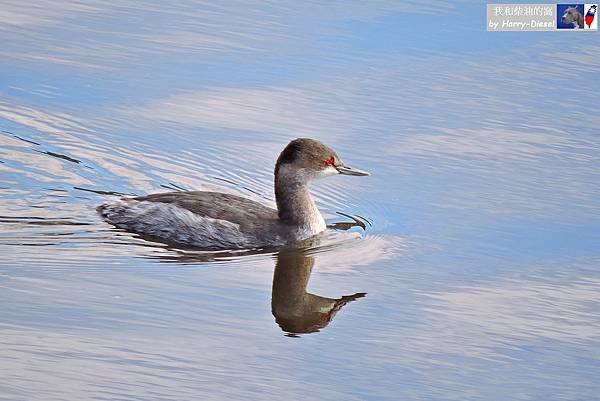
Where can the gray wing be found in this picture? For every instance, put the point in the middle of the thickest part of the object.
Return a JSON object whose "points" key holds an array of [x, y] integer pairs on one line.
{"points": [[207, 220], [235, 209]]}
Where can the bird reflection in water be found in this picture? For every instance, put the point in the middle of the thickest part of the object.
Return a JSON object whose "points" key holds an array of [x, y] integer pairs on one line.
{"points": [[295, 310]]}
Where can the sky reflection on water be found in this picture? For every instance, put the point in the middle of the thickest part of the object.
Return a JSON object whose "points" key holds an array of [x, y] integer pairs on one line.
{"points": [[481, 264]]}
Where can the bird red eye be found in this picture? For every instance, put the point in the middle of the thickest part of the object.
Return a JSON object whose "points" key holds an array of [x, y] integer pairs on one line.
{"points": [[330, 161]]}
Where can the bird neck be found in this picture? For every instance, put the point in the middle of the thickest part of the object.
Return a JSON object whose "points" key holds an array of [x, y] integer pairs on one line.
{"points": [[295, 205]]}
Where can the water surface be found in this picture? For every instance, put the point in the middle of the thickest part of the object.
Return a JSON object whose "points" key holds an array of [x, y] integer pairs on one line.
{"points": [[476, 277]]}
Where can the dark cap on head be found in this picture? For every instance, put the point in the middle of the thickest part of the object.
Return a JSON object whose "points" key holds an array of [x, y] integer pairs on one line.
{"points": [[305, 149]]}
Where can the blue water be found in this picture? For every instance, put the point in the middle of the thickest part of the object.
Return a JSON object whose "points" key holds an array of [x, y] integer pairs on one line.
{"points": [[480, 263]]}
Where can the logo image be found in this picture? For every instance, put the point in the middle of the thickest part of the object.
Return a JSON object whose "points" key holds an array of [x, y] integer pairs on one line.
{"points": [[570, 16], [591, 22]]}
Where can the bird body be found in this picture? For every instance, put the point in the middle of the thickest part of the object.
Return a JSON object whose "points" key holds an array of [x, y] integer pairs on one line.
{"points": [[217, 221]]}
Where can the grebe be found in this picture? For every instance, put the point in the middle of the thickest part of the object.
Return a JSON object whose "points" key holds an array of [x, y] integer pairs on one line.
{"points": [[217, 221]]}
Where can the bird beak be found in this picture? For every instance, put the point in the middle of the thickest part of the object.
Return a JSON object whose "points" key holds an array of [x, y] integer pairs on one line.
{"points": [[346, 170]]}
